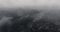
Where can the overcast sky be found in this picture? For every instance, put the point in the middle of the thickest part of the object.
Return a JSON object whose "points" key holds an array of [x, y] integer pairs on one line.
{"points": [[22, 3]]}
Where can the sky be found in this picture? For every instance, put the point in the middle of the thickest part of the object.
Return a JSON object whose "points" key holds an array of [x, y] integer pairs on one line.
{"points": [[34, 3]]}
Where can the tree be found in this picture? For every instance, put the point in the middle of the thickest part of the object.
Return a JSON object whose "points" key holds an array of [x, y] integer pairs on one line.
{"points": [[44, 26]]}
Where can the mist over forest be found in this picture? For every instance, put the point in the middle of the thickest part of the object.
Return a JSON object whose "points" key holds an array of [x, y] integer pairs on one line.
{"points": [[12, 21], [29, 20], [29, 15]]}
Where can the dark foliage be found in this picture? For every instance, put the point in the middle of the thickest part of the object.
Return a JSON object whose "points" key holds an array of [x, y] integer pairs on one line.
{"points": [[22, 25], [44, 26], [25, 24], [19, 24]]}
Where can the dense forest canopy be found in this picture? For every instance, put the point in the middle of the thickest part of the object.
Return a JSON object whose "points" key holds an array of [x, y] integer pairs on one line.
{"points": [[32, 21]]}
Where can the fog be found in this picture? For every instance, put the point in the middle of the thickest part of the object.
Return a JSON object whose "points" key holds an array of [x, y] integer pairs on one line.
{"points": [[49, 8], [31, 3], [40, 9]]}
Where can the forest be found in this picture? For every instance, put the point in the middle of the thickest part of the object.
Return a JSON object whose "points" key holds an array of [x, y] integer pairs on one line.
{"points": [[27, 23]]}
